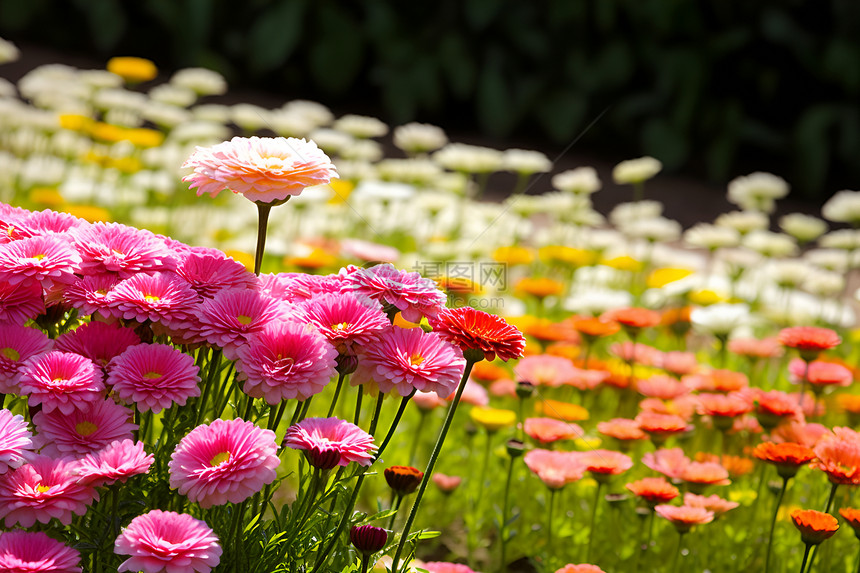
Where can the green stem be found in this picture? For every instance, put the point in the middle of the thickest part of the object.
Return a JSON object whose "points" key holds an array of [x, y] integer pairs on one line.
{"points": [[677, 560], [593, 520], [275, 415], [549, 524], [357, 417], [805, 557], [262, 223], [503, 526], [214, 365], [340, 380], [431, 465], [773, 524], [396, 508], [376, 412], [394, 423]]}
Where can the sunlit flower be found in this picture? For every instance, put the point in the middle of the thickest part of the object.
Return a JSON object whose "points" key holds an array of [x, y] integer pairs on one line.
{"points": [[410, 293], [814, 526], [116, 462], [154, 376], [15, 440], [787, 457], [155, 297], [820, 374], [662, 387], [545, 370], [441, 567], [653, 490], [580, 568], [132, 69], [476, 330], [810, 341], [549, 430], [717, 381], [473, 393], [98, 341], [43, 258], [18, 344], [330, 442], [774, 407], [345, 319], [121, 250], [20, 302], [60, 381], [621, 429], [84, 430], [540, 287], [755, 348], [713, 503], [698, 475], [723, 408], [852, 518], [671, 462], [684, 517], [636, 170], [493, 419], [403, 479], [661, 426], [555, 469], [208, 271], [170, 542], [605, 463], [563, 411], [35, 552], [839, 457]]}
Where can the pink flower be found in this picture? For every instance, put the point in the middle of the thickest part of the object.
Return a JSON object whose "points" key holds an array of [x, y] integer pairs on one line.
{"points": [[164, 541], [98, 341], [404, 359], [684, 517], [17, 345], [546, 370], [156, 297], [555, 469], [20, 302], [410, 293], [225, 461], [286, 360], [369, 252], [299, 287], [446, 483], [670, 462], [427, 401], [442, 567], [679, 363], [820, 373], [41, 258], [154, 377], [330, 442], [41, 490], [548, 430], [60, 381], [118, 461], [712, 503], [605, 462], [15, 440], [662, 387], [209, 271], [35, 552], [263, 169], [345, 319], [83, 431], [638, 353], [473, 393], [121, 250], [90, 295], [44, 223]]}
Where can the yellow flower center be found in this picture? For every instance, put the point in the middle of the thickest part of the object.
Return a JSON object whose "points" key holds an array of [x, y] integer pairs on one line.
{"points": [[341, 326], [219, 459], [11, 354], [416, 359], [43, 488], [243, 319], [85, 428], [151, 298], [151, 375], [39, 257]]}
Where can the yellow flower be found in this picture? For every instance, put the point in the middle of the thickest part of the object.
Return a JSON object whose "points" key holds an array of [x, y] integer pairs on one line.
{"points": [[563, 411], [126, 164], [143, 137], [705, 297], [342, 188], [493, 419], [75, 122], [107, 132], [743, 496], [132, 69], [568, 255], [242, 257], [90, 213], [316, 258], [48, 196], [623, 263], [661, 277], [540, 287], [513, 255], [587, 443]]}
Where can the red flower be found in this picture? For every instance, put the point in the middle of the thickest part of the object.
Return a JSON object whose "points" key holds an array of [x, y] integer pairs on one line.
{"points": [[633, 318], [787, 457], [852, 517], [814, 526], [653, 490], [472, 329], [809, 340]]}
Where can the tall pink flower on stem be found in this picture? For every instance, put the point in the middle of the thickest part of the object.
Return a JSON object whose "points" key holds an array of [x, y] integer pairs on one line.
{"points": [[169, 542], [154, 377], [225, 461], [330, 442], [35, 552], [267, 171]]}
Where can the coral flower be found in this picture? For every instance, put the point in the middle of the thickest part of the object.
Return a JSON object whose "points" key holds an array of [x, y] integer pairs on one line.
{"points": [[722, 408], [852, 517], [15, 440], [60, 381], [593, 328], [774, 407], [661, 426], [799, 432], [814, 526], [486, 372], [345, 319], [839, 457], [717, 381], [662, 387], [546, 370], [698, 475], [41, 490], [44, 258], [263, 169], [225, 461], [604, 463], [442, 567], [555, 469], [679, 363], [712, 503], [83, 431], [540, 287], [653, 490], [684, 517], [98, 341], [637, 353], [154, 376], [493, 419], [164, 541], [18, 344], [670, 462], [787, 457], [580, 568], [330, 442], [121, 250], [406, 359], [20, 302], [622, 429], [475, 330], [755, 348], [633, 319], [820, 374], [35, 552], [286, 360], [810, 341], [563, 411], [548, 430], [117, 462], [446, 484]]}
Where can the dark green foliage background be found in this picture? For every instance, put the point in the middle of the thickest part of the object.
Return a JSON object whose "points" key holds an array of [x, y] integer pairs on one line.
{"points": [[717, 87]]}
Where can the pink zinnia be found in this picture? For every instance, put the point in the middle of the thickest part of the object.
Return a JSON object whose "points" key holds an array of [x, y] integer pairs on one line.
{"points": [[15, 440], [820, 373], [555, 469], [225, 461], [662, 387], [299, 287], [121, 250], [476, 330], [83, 431], [156, 297], [670, 462], [410, 293], [604, 463], [330, 442], [60, 381], [98, 341], [263, 169], [91, 295], [684, 517], [44, 223], [442, 567], [154, 376], [116, 462], [17, 345], [345, 319], [549, 430], [41, 258], [209, 271], [286, 360], [35, 552], [404, 359], [41, 490], [546, 370], [20, 302], [165, 541]]}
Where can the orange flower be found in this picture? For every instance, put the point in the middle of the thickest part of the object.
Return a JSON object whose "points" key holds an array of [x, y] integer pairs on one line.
{"points": [[403, 479], [699, 475], [717, 381], [567, 350], [810, 341], [458, 285], [634, 319], [548, 430], [547, 331], [814, 526], [774, 407], [839, 457], [605, 463], [581, 568], [653, 490], [852, 517], [661, 386], [561, 410], [684, 517], [541, 287], [787, 457], [661, 426], [621, 429], [487, 372], [755, 348], [849, 403], [712, 503], [592, 328], [679, 363]]}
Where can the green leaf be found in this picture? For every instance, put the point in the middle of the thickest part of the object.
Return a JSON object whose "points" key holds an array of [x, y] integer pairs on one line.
{"points": [[275, 34]]}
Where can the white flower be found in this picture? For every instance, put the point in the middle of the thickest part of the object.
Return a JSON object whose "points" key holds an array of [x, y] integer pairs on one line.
{"points": [[712, 237], [331, 141], [596, 301], [843, 207], [99, 79], [469, 158], [124, 116], [361, 126], [757, 191], [316, 113], [836, 260], [249, 117], [657, 229], [7, 89], [636, 170], [582, 180], [720, 319], [202, 81], [788, 273], [770, 244], [288, 123], [525, 161], [8, 51], [382, 191], [824, 283], [165, 115], [848, 239], [743, 221], [362, 150], [200, 132], [415, 171], [353, 170], [624, 213], [173, 95], [213, 112], [419, 137], [738, 261], [802, 227]]}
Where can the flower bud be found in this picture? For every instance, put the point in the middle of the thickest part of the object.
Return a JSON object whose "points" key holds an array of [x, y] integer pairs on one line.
{"points": [[403, 479], [367, 538]]}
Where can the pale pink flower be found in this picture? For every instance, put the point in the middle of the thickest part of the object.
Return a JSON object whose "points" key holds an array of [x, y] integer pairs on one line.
{"points": [[154, 377], [621, 429], [82, 431], [286, 360], [712, 503], [17, 345], [369, 252], [604, 463], [428, 400], [820, 373], [164, 541], [263, 169], [679, 363], [546, 370], [637, 352], [410, 293], [446, 483], [43, 489], [121, 250], [15, 440], [662, 387], [20, 302], [473, 394], [705, 473], [684, 517], [670, 462], [404, 359], [504, 388], [345, 319], [555, 469], [208, 271], [42, 258], [442, 567], [118, 461], [755, 348], [60, 381], [799, 432], [330, 442], [549, 430], [225, 461], [35, 552], [156, 297], [98, 341]]}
